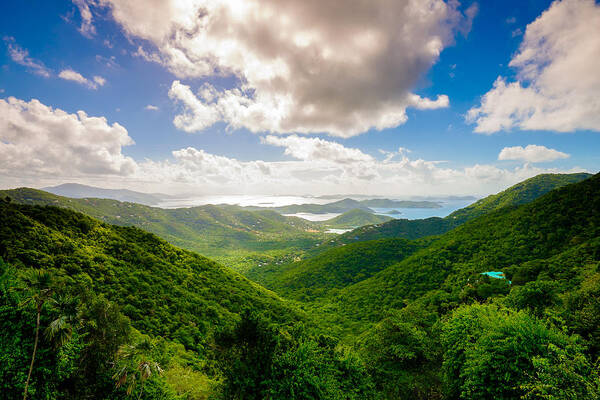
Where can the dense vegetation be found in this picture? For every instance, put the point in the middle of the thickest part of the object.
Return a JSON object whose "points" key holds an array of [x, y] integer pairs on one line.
{"points": [[521, 193], [333, 269], [385, 319], [231, 235]]}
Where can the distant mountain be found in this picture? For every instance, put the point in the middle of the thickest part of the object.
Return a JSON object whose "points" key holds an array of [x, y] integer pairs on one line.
{"points": [[77, 191], [355, 218], [340, 206], [521, 193]]}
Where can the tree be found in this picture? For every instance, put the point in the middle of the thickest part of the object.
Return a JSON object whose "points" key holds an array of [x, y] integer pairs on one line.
{"points": [[246, 357], [497, 353], [401, 355], [41, 286], [136, 364], [61, 328]]}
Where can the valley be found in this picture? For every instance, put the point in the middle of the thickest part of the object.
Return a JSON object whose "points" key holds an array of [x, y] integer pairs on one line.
{"points": [[405, 283]]}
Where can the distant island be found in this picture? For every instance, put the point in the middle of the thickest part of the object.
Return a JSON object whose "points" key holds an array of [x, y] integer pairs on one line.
{"points": [[346, 205]]}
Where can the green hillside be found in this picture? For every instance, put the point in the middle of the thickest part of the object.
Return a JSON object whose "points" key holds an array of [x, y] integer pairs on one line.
{"points": [[125, 314], [524, 242], [229, 234], [355, 218], [427, 324], [416, 319], [520, 193], [336, 268], [185, 296]]}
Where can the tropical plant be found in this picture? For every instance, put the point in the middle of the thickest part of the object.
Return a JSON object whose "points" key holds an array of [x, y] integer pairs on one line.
{"points": [[135, 365], [41, 288]]}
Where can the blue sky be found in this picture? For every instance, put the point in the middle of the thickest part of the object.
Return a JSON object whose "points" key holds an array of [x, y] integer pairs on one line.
{"points": [[57, 37]]}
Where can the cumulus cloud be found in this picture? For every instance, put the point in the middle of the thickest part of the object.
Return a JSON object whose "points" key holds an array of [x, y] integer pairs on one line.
{"points": [[40, 145], [301, 66], [70, 75], [150, 107], [21, 57], [37, 140], [324, 167], [315, 149], [531, 153], [557, 82]]}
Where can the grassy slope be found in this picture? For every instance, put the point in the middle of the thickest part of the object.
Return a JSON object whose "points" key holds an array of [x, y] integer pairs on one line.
{"points": [[229, 234], [165, 291], [563, 224]]}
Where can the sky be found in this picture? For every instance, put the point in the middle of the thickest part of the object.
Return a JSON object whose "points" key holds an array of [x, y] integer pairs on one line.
{"points": [[390, 97]]}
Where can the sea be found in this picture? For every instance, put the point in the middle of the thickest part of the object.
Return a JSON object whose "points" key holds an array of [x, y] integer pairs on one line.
{"points": [[447, 205]]}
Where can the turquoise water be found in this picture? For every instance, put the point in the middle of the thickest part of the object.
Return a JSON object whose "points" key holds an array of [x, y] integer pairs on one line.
{"points": [[495, 274]]}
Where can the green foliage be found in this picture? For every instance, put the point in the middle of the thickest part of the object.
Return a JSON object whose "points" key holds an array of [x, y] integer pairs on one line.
{"points": [[538, 236], [66, 365], [230, 234], [165, 291], [396, 228], [521, 193], [493, 353], [262, 361], [387, 319], [333, 269], [402, 354]]}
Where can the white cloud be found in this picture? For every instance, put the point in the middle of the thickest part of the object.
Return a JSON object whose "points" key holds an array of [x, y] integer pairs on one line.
{"points": [[41, 146], [100, 81], [531, 153], [37, 140], [315, 149], [21, 57], [150, 107], [302, 66], [87, 28], [70, 75], [557, 69], [325, 167]]}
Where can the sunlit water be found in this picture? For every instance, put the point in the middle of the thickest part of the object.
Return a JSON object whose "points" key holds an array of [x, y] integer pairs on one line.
{"points": [[448, 206], [244, 201], [314, 217]]}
